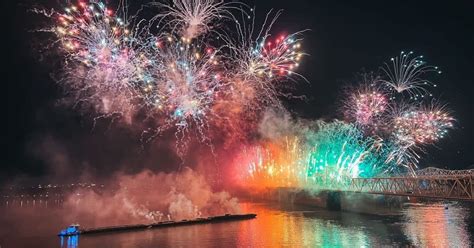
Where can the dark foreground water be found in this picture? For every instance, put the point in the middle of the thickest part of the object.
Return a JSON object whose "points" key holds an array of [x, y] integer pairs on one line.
{"points": [[419, 225]]}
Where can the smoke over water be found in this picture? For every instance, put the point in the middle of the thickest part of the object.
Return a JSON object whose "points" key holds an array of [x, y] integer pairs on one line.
{"points": [[149, 196]]}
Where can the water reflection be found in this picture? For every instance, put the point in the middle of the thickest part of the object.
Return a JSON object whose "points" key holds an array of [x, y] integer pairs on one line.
{"points": [[69, 242], [422, 225], [437, 225], [309, 227]]}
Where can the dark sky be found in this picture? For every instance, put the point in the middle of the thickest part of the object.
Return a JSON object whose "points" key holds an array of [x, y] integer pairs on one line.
{"points": [[345, 37]]}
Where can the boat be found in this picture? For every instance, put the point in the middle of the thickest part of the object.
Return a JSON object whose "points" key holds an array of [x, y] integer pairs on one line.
{"points": [[71, 230], [75, 229]]}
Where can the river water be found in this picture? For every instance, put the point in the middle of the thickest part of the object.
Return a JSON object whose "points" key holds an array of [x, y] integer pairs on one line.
{"points": [[418, 225]]}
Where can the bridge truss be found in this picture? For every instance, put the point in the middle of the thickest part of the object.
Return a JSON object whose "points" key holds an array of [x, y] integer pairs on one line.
{"points": [[429, 183]]}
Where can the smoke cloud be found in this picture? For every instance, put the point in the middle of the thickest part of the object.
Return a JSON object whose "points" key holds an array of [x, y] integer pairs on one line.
{"points": [[278, 123], [149, 196]]}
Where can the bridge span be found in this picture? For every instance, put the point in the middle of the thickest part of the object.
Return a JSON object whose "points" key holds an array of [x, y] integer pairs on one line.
{"points": [[427, 183]]}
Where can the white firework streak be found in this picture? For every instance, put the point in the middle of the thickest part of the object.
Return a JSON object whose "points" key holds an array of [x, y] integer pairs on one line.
{"points": [[193, 18], [404, 75], [261, 63]]}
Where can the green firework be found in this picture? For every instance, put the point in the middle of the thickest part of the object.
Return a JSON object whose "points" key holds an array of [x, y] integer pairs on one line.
{"points": [[339, 152]]}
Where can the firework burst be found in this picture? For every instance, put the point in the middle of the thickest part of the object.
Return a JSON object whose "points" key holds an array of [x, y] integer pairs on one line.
{"points": [[103, 61], [423, 125], [262, 61], [193, 18], [91, 34], [186, 85], [405, 75], [366, 106], [413, 127]]}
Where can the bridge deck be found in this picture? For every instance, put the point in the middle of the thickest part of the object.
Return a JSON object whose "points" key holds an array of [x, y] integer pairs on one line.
{"points": [[430, 183]]}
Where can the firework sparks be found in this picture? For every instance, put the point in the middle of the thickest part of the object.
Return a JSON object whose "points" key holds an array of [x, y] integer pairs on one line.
{"points": [[410, 128], [272, 164], [273, 59], [320, 159], [263, 61], [102, 63], [186, 86], [90, 33], [366, 105], [406, 125], [424, 125], [192, 18], [340, 152], [404, 75]]}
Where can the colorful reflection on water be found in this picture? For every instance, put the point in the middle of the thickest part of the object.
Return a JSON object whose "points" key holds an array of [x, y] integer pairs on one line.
{"points": [[295, 227], [419, 225], [438, 225], [69, 242]]}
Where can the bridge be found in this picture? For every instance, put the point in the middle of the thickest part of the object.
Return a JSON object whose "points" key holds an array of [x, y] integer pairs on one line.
{"points": [[427, 183]]}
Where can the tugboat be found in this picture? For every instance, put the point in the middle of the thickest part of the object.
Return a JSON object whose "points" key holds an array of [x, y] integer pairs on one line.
{"points": [[70, 230]]}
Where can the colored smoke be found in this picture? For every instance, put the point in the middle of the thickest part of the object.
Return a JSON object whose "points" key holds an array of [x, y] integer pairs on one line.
{"points": [[149, 196]]}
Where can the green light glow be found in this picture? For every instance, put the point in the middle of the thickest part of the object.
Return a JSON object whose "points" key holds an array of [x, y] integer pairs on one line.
{"points": [[339, 152]]}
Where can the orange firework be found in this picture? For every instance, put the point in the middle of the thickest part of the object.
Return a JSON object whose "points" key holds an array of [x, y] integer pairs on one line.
{"points": [[271, 164]]}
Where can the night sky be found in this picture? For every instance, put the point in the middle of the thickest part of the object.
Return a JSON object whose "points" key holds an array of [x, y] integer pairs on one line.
{"points": [[345, 37]]}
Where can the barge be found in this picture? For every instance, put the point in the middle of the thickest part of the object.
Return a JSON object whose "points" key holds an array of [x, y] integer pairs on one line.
{"points": [[75, 229]]}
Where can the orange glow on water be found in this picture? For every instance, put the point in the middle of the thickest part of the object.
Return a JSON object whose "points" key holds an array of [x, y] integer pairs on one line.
{"points": [[270, 229]]}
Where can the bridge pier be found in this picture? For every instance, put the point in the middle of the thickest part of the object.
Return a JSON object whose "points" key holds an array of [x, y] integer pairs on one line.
{"points": [[333, 201]]}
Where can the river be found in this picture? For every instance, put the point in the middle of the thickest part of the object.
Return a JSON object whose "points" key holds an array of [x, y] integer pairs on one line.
{"points": [[419, 225]]}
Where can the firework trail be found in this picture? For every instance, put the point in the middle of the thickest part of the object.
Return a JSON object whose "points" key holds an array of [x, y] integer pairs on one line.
{"points": [[405, 75], [339, 152], [262, 62], [193, 18], [272, 164]]}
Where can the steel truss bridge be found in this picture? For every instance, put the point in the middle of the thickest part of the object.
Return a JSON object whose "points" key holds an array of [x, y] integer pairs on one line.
{"points": [[427, 183]]}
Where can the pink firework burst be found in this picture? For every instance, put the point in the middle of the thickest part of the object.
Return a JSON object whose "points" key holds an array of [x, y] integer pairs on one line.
{"points": [[366, 105], [424, 125]]}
